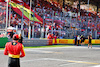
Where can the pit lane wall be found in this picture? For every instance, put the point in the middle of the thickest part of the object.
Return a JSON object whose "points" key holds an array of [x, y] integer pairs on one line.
{"points": [[71, 41], [45, 42], [3, 41]]}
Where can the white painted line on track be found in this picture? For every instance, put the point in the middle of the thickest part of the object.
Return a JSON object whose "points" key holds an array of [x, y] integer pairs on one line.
{"points": [[67, 64], [83, 47], [74, 61], [1, 50], [41, 51], [32, 60], [96, 66], [53, 59]]}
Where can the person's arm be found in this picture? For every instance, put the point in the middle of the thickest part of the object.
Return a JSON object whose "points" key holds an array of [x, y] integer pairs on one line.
{"points": [[5, 50], [22, 52], [91, 37]]}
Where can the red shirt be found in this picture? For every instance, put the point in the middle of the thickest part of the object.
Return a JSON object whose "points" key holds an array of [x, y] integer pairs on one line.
{"points": [[55, 37], [49, 37], [13, 49]]}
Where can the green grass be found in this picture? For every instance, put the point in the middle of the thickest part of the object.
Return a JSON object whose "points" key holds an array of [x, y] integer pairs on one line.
{"points": [[49, 46], [93, 44], [1, 48]]}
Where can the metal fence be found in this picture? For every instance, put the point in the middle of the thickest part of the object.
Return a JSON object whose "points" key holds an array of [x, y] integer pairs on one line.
{"points": [[71, 33]]}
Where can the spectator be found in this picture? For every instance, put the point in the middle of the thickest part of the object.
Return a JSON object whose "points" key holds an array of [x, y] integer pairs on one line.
{"points": [[52, 36], [49, 36], [82, 40], [11, 34], [78, 39], [20, 39], [8, 35], [99, 36], [61, 37], [55, 38], [90, 40]]}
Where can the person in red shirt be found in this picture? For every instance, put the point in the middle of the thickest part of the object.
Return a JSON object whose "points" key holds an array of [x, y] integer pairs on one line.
{"points": [[49, 36], [13, 50], [52, 36], [55, 38]]}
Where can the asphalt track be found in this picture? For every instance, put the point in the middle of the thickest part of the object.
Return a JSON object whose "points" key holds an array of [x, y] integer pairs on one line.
{"points": [[75, 56]]}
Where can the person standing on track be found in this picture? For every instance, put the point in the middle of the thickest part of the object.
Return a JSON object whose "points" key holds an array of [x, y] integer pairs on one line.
{"points": [[75, 40], [49, 36], [78, 39], [55, 39], [90, 39], [13, 49], [20, 39], [82, 40]]}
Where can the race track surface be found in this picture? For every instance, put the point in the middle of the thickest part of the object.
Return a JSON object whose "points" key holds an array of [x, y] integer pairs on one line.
{"points": [[74, 56]]}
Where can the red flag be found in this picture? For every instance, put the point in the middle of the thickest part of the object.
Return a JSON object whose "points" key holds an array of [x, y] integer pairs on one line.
{"points": [[11, 16], [1, 0], [17, 1], [89, 14]]}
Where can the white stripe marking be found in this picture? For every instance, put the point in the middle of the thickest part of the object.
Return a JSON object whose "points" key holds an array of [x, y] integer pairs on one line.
{"points": [[67, 64], [97, 66], [39, 51], [1, 50], [72, 61]]}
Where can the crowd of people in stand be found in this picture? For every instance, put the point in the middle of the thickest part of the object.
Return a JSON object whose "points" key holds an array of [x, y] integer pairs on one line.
{"points": [[45, 9], [86, 20]]}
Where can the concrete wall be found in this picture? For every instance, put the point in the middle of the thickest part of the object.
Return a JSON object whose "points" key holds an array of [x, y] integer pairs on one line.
{"points": [[35, 42], [45, 42]]}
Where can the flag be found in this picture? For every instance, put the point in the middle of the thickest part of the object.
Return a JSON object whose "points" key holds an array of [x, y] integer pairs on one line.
{"points": [[19, 9], [6, 0], [1, 0]]}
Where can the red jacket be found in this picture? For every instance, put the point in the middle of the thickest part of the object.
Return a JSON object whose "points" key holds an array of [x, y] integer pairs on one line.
{"points": [[13, 49], [49, 37]]}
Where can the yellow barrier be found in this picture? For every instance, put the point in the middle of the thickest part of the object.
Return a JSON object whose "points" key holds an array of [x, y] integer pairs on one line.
{"points": [[71, 41]]}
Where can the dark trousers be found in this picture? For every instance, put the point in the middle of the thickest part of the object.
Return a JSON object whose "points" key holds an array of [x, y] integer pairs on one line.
{"points": [[13, 62], [78, 42], [75, 42]]}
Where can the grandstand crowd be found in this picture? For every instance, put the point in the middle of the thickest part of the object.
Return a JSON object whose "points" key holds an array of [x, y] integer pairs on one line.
{"points": [[86, 23]]}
